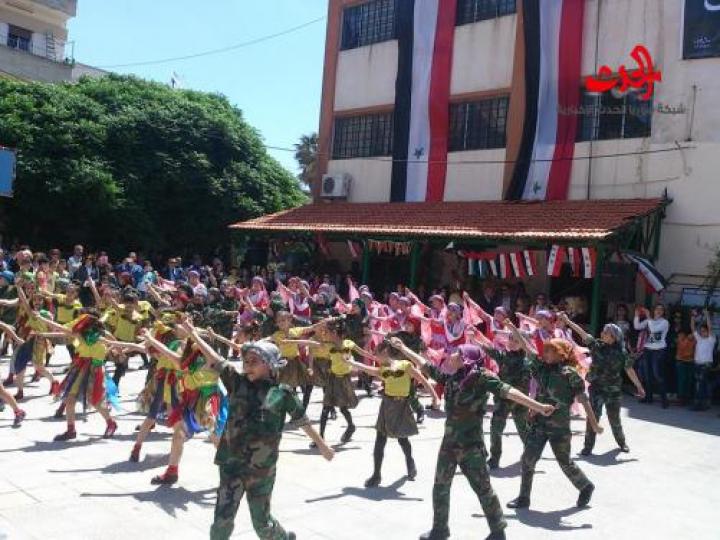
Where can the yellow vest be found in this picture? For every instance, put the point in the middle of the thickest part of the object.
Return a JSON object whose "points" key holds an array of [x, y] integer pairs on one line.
{"points": [[397, 379]]}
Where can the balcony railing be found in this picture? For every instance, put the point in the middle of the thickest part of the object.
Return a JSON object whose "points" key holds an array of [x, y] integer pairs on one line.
{"points": [[46, 47]]}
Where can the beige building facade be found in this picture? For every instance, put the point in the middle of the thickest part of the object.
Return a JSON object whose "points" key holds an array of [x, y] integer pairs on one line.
{"points": [[677, 152]]}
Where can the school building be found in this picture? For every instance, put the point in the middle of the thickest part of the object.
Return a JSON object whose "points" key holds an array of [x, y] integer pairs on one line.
{"points": [[480, 129]]}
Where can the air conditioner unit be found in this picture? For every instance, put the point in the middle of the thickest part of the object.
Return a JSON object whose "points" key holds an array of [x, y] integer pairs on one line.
{"points": [[335, 186]]}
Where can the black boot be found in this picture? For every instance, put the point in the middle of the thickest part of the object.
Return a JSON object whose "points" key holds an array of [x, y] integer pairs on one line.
{"points": [[373, 481], [347, 436], [520, 502], [496, 535], [436, 534], [411, 469], [585, 495], [420, 415], [493, 462], [586, 451]]}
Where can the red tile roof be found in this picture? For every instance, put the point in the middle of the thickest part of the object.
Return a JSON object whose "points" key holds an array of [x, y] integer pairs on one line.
{"points": [[546, 220]]}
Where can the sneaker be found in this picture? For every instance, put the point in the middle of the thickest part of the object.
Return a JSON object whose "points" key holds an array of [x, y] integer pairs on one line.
{"points": [[110, 429], [165, 479], [19, 417], [585, 496], [68, 435], [624, 448], [520, 502], [373, 481], [347, 436]]}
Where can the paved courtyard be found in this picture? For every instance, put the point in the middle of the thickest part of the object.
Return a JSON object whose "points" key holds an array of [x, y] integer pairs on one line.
{"points": [[667, 487]]}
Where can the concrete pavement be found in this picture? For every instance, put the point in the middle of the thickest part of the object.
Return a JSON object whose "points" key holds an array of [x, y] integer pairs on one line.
{"points": [[666, 488]]}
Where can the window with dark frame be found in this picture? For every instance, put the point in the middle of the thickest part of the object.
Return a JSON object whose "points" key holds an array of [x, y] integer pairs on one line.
{"points": [[366, 135], [368, 23], [471, 11], [605, 117], [19, 38], [478, 125]]}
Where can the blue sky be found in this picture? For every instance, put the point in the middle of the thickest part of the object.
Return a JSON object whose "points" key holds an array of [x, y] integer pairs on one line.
{"points": [[277, 83]]}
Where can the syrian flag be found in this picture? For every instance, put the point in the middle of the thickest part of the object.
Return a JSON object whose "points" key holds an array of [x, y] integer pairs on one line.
{"points": [[653, 279], [556, 257], [589, 257], [530, 264], [354, 248], [516, 260], [494, 267], [552, 91], [426, 31], [574, 259], [504, 264]]}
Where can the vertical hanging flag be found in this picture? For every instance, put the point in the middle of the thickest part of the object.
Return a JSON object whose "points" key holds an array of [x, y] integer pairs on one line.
{"points": [[556, 257], [516, 260], [574, 260], [426, 31], [504, 263], [652, 277], [552, 93], [354, 249], [494, 267], [530, 264], [322, 244], [589, 257]]}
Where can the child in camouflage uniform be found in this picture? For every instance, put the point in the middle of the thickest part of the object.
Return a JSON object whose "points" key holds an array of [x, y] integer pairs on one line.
{"points": [[465, 397], [248, 451], [558, 384], [609, 360], [515, 371]]}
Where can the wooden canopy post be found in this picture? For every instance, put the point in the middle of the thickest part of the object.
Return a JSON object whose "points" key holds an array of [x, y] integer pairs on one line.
{"points": [[366, 263], [597, 292], [414, 265]]}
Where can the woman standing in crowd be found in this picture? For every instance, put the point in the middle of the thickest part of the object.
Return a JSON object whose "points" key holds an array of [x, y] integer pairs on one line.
{"points": [[654, 352]]}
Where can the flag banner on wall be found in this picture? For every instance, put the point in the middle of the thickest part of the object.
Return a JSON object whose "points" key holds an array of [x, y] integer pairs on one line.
{"points": [[530, 263], [426, 31], [574, 259], [543, 166], [556, 258], [589, 258], [392, 248], [701, 33], [653, 279]]}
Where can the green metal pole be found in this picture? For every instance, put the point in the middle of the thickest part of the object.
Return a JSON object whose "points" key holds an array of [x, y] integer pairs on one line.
{"points": [[414, 264], [597, 293], [366, 264]]}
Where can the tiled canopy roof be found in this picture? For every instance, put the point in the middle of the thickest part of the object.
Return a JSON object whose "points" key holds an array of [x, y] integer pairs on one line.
{"points": [[546, 220]]}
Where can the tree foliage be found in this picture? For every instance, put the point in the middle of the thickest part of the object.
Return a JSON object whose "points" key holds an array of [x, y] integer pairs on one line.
{"points": [[306, 154], [120, 163]]}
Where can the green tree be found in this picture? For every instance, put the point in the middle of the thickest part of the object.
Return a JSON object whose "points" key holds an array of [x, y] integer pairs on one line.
{"points": [[306, 154], [120, 163]]}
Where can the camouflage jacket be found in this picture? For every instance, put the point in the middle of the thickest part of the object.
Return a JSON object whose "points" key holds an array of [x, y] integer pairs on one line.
{"points": [[216, 317], [256, 417], [514, 368], [559, 385], [608, 364], [465, 403]]}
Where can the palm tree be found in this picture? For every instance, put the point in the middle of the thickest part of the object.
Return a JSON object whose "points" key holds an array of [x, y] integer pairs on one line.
{"points": [[306, 154]]}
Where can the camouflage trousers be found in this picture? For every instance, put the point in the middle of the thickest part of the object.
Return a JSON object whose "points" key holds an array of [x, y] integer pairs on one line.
{"points": [[471, 460], [502, 409], [598, 398], [259, 492], [537, 436]]}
